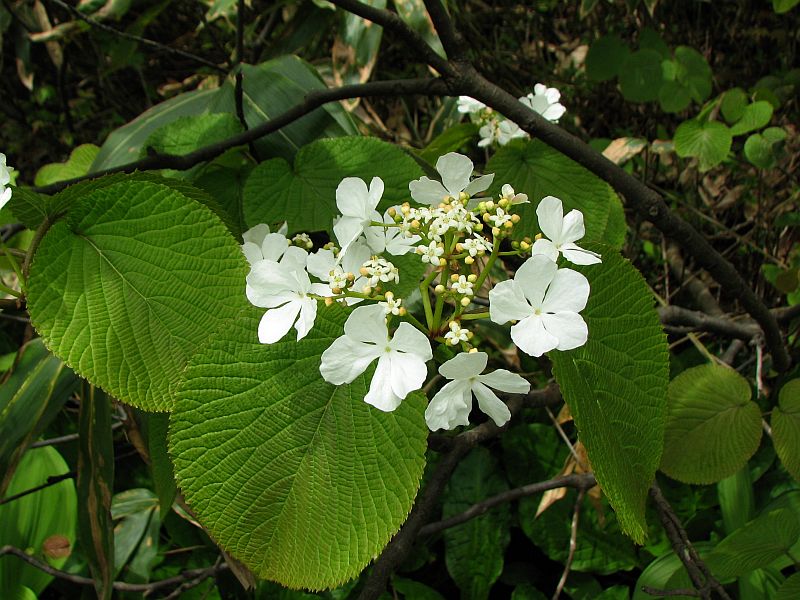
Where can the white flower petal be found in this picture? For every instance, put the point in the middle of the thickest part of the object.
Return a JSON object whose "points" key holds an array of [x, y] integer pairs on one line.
{"points": [[321, 263], [539, 89], [580, 256], [568, 327], [347, 230], [352, 198], [507, 303], [294, 259], [450, 407], [376, 188], [491, 405], [531, 337], [274, 246], [568, 291], [551, 216], [5, 197], [252, 252], [380, 394], [409, 339], [368, 324], [408, 372], [427, 191], [277, 322], [552, 95], [255, 235], [506, 381], [269, 299], [545, 247], [308, 313], [345, 359], [479, 184], [455, 170], [464, 365], [357, 254], [534, 276], [554, 112], [572, 228]]}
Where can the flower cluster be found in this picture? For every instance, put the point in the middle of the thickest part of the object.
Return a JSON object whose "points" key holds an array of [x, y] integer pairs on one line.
{"points": [[5, 179], [457, 237], [496, 129]]}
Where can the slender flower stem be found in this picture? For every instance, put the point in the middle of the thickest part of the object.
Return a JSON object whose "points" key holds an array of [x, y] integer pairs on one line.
{"points": [[10, 291], [426, 298], [472, 316], [489, 264], [12, 260], [416, 323], [437, 315]]}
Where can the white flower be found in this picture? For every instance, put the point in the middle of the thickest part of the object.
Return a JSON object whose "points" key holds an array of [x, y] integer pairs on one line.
{"points": [[285, 291], [455, 170], [563, 233], [392, 305], [5, 179], [389, 239], [544, 101], [431, 253], [334, 269], [451, 405], [507, 131], [500, 217], [357, 205], [507, 193], [401, 359], [490, 133], [303, 240], [462, 286], [379, 269], [476, 246], [259, 244], [467, 105], [456, 335], [546, 301]]}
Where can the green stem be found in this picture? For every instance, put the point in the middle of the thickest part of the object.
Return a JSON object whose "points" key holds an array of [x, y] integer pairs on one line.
{"points": [[426, 298], [37, 238], [12, 260], [10, 291], [489, 264], [415, 322], [471, 316], [437, 315]]}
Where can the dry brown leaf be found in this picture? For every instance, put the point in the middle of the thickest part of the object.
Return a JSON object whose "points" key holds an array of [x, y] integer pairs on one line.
{"points": [[621, 150]]}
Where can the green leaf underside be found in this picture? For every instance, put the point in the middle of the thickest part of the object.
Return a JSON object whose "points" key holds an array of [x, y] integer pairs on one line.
{"points": [[616, 387], [535, 169], [305, 195], [785, 422], [127, 287], [713, 427], [300, 480], [756, 545], [474, 550]]}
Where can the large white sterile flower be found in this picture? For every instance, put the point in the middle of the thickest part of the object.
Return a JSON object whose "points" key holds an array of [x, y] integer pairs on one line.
{"points": [[451, 405], [285, 291], [563, 232], [546, 301], [5, 179], [401, 359], [544, 100], [389, 239], [357, 203], [455, 170]]}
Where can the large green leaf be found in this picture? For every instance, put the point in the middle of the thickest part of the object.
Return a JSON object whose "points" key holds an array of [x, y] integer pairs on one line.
{"points": [[300, 480], [187, 134], [693, 73], [130, 283], [474, 550], [790, 588], [785, 424], [95, 483], [29, 400], [269, 89], [535, 169], [640, 76], [755, 545], [713, 427], [138, 520], [79, 162], [755, 116], [32, 520], [305, 195], [616, 387], [710, 142]]}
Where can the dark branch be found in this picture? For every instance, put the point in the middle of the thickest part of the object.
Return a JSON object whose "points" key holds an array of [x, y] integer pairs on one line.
{"points": [[391, 22], [700, 321], [452, 42], [647, 202], [313, 100], [583, 481], [121, 586], [129, 36], [52, 480]]}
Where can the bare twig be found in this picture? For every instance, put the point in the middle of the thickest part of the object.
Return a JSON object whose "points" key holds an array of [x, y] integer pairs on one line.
{"points": [[582, 481], [312, 101], [65, 439], [573, 543], [701, 577], [700, 321], [129, 36], [121, 586], [52, 480], [665, 593]]}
